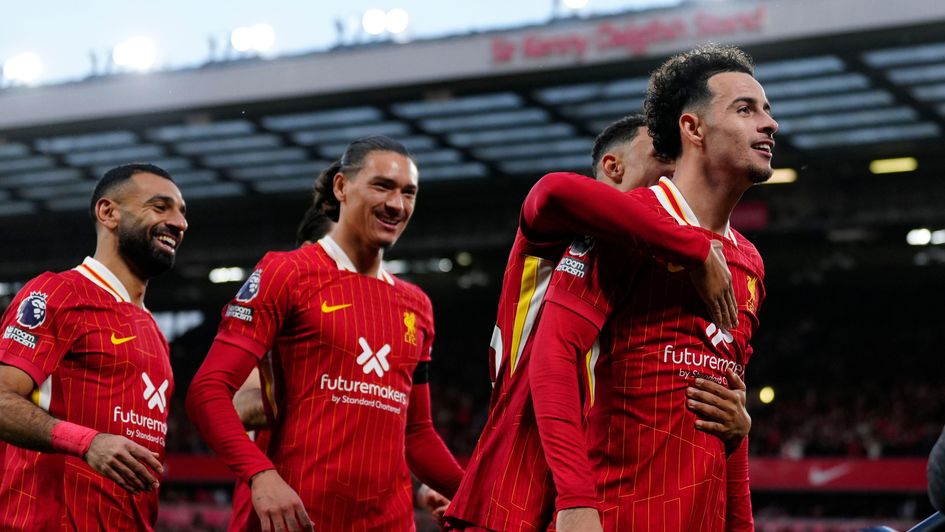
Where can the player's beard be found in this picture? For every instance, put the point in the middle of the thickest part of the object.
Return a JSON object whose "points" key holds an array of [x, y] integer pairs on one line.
{"points": [[759, 175], [136, 245]]}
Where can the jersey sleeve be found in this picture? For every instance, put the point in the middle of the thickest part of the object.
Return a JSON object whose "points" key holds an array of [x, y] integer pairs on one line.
{"points": [[40, 326], [209, 405], [553, 373], [738, 516], [561, 205], [590, 279], [255, 315]]}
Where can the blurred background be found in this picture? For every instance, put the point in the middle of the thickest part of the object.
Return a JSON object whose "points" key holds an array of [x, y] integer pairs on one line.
{"points": [[245, 103]]}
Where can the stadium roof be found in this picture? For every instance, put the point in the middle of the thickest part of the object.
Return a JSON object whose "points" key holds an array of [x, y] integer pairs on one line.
{"points": [[485, 115]]}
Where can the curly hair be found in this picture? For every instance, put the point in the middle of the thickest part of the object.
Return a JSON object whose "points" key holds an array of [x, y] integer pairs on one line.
{"points": [[324, 201], [681, 83]]}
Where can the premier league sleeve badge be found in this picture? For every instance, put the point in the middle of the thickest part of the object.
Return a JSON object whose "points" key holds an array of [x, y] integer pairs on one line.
{"points": [[32, 311]]}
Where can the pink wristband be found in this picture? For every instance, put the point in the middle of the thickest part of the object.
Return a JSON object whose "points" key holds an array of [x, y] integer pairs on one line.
{"points": [[72, 439]]}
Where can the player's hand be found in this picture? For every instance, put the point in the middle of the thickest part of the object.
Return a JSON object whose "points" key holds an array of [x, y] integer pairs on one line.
{"points": [[124, 461], [713, 282], [278, 506], [432, 501], [578, 520], [722, 410]]}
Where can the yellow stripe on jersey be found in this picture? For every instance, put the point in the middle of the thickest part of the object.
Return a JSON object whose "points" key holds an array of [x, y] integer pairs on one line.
{"points": [[677, 203], [42, 394], [590, 361], [267, 380], [536, 275]]}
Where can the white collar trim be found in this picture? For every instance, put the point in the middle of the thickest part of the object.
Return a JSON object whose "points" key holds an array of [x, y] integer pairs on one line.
{"points": [[101, 276], [344, 262], [684, 214]]}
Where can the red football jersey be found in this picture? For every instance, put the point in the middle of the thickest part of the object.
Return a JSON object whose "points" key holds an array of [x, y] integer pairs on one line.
{"points": [[655, 471], [98, 361], [344, 347], [507, 485]]}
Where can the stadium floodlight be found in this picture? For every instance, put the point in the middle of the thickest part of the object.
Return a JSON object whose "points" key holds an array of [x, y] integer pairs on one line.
{"points": [[919, 237], [575, 4], [938, 237], [241, 39], [397, 21], [24, 68], [258, 38], [227, 275], [892, 166], [374, 21], [137, 53], [782, 175], [263, 37], [444, 265], [766, 395]]}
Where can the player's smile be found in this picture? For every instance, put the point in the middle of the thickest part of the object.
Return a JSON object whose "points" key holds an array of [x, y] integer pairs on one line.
{"points": [[389, 222], [165, 240], [764, 147]]}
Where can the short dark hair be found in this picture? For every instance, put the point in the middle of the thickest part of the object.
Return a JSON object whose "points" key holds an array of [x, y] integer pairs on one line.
{"points": [[313, 226], [623, 130], [681, 83], [351, 161], [119, 175]]}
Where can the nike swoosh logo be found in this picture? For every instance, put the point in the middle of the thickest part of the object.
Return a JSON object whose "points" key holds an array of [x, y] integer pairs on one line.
{"points": [[819, 477], [118, 341], [328, 309], [673, 268]]}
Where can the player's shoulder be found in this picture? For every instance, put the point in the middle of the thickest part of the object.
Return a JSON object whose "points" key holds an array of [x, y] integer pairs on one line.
{"points": [[308, 257], [552, 177], [42, 296], [48, 283], [749, 252], [523, 246], [412, 291]]}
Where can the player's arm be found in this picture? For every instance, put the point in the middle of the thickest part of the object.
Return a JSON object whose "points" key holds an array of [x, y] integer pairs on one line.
{"points": [[26, 425], [427, 498], [738, 516], [561, 205], [562, 338], [427, 456], [249, 404], [210, 407]]}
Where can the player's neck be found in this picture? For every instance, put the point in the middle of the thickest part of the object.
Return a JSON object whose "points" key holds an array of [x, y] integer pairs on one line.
{"points": [[710, 193], [134, 284], [365, 258]]}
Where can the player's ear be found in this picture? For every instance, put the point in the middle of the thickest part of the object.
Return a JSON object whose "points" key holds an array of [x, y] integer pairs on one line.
{"points": [[612, 167], [692, 129], [338, 186], [106, 212]]}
